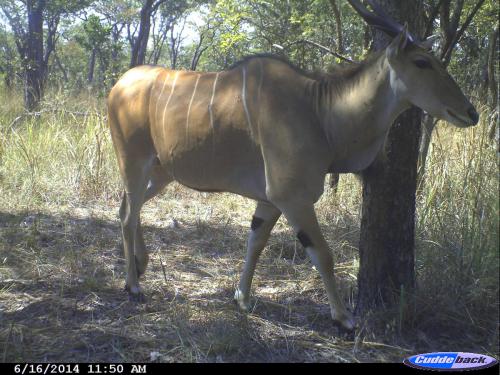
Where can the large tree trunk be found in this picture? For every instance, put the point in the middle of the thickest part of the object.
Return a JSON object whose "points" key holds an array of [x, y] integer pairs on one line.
{"points": [[141, 42], [34, 67], [387, 241]]}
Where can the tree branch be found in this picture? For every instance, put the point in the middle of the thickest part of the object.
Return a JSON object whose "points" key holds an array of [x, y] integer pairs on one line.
{"points": [[156, 5], [338, 21], [447, 54], [432, 16], [317, 45]]}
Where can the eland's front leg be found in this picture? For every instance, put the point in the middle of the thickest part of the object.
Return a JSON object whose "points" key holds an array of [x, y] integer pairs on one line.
{"points": [[263, 221], [304, 221]]}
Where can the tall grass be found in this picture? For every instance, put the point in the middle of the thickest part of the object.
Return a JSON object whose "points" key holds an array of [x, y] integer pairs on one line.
{"points": [[62, 155], [458, 234]]}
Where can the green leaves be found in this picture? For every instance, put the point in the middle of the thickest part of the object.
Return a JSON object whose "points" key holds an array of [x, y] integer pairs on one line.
{"points": [[95, 34], [305, 31]]}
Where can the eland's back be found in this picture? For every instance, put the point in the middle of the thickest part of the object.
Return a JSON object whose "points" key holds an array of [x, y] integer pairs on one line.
{"points": [[206, 130]]}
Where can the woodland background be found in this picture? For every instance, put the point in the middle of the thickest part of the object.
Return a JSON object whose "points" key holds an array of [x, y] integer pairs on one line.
{"points": [[61, 262]]}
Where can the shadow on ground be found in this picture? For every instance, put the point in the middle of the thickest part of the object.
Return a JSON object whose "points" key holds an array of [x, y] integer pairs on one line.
{"points": [[62, 297]]}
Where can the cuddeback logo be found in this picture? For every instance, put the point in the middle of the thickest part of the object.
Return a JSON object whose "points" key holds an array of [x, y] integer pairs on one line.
{"points": [[450, 361]]}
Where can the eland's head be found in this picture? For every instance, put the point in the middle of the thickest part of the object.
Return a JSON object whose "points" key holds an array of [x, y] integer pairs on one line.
{"points": [[417, 76]]}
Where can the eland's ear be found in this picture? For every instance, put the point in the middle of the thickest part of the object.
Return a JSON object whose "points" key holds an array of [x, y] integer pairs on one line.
{"points": [[399, 43], [429, 42]]}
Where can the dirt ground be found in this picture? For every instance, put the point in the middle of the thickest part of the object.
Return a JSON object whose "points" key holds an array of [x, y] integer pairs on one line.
{"points": [[62, 295]]}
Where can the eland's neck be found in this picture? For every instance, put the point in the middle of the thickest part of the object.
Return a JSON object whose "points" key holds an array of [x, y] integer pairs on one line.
{"points": [[356, 114]]}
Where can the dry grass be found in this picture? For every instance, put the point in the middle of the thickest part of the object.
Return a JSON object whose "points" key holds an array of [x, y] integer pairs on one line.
{"points": [[62, 266]]}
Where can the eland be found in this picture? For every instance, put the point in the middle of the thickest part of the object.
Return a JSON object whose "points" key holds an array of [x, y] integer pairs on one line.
{"points": [[269, 131]]}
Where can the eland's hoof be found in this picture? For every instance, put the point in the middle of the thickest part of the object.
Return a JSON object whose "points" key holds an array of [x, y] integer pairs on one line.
{"points": [[345, 320], [239, 299], [135, 294]]}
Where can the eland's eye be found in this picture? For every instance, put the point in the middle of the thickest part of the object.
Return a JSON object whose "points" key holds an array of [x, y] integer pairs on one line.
{"points": [[423, 64]]}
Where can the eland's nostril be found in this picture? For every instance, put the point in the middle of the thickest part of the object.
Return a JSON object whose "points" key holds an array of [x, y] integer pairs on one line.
{"points": [[473, 115]]}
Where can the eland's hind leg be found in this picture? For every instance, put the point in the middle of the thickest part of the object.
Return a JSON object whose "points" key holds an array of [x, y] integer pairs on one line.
{"points": [[304, 221], [158, 180], [136, 173], [263, 221], [130, 125]]}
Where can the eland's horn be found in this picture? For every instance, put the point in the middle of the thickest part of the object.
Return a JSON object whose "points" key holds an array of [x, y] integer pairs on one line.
{"points": [[380, 19]]}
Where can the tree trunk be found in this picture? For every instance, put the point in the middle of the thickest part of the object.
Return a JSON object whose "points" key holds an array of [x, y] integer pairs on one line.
{"points": [[197, 53], [428, 126], [34, 70], [141, 42], [338, 25], [90, 74], [492, 81], [115, 52], [8, 82], [492, 65], [387, 240], [50, 44], [103, 67], [61, 67], [174, 47]]}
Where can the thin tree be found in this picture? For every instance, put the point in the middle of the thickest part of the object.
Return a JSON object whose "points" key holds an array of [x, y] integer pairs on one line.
{"points": [[140, 43]]}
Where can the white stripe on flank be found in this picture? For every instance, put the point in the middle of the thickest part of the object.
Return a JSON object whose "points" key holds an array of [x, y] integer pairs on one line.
{"points": [[190, 103], [168, 101], [210, 111], [159, 96], [261, 79], [244, 98]]}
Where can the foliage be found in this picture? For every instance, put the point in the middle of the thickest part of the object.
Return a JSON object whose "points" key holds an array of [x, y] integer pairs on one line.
{"points": [[222, 32], [9, 59], [94, 35]]}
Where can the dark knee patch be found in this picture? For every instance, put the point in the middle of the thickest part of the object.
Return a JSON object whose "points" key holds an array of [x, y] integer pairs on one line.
{"points": [[304, 239], [256, 222]]}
